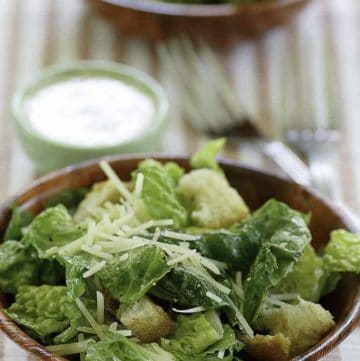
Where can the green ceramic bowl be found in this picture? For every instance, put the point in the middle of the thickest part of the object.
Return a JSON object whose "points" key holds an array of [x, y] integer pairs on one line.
{"points": [[49, 154]]}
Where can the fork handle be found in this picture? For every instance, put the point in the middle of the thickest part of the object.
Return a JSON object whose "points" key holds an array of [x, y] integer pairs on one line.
{"points": [[287, 160]]}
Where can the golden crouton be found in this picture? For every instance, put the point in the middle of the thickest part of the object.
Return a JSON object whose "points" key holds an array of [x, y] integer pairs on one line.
{"points": [[212, 202], [305, 324], [269, 348], [147, 321]]}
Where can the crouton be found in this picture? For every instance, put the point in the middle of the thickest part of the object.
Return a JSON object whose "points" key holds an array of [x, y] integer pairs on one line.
{"points": [[305, 324], [212, 202], [269, 348], [147, 321]]}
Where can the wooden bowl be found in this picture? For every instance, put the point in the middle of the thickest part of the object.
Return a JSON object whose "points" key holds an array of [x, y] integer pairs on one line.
{"points": [[158, 20], [255, 186]]}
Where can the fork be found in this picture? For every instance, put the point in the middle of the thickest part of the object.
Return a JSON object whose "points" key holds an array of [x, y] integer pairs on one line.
{"points": [[207, 96], [317, 135]]}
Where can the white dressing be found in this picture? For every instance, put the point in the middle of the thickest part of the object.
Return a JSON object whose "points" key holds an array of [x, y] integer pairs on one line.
{"points": [[89, 112]]}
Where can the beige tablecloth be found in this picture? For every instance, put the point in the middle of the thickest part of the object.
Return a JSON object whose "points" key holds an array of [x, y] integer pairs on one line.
{"points": [[36, 33]]}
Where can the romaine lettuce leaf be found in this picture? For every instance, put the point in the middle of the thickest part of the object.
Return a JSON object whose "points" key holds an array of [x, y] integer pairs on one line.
{"points": [[342, 253], [51, 272], [205, 157], [284, 238], [197, 338], [158, 193], [129, 280], [308, 277], [75, 317], [119, 348], [186, 287], [174, 171], [228, 343], [19, 266], [20, 218], [192, 335], [41, 310], [52, 227], [75, 266], [239, 248]]}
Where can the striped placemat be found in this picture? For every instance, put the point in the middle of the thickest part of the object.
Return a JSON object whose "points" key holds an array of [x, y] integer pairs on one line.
{"points": [[37, 33]]}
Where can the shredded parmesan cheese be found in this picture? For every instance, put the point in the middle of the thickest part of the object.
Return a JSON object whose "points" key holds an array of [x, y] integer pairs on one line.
{"points": [[190, 310], [124, 257], [94, 269], [221, 354], [126, 333], [109, 172], [180, 236], [90, 319], [94, 252], [113, 327], [214, 297], [81, 338], [100, 307], [139, 185], [70, 348], [178, 259]]}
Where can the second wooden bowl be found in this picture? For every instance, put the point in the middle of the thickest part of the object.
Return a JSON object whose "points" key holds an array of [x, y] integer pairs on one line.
{"points": [[256, 187], [158, 20]]}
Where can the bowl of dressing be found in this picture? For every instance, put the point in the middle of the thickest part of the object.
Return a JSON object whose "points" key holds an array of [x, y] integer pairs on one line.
{"points": [[73, 112]]}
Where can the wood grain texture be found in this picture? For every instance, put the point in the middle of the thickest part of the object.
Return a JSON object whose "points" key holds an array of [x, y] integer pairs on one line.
{"points": [[256, 187], [217, 23]]}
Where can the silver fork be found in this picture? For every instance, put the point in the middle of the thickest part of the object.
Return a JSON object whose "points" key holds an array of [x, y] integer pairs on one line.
{"points": [[209, 103], [311, 131], [317, 135]]}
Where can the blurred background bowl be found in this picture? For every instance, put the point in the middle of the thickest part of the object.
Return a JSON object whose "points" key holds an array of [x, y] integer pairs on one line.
{"points": [[49, 154], [158, 20]]}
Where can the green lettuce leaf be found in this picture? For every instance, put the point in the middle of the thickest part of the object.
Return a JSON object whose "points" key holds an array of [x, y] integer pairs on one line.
{"points": [[308, 278], [70, 198], [75, 266], [129, 280], [53, 227], [76, 318], [159, 194], [20, 218], [197, 338], [174, 171], [284, 238], [239, 248], [206, 156], [40, 310], [193, 335], [19, 266], [342, 253], [51, 272], [119, 348], [186, 287], [228, 343]]}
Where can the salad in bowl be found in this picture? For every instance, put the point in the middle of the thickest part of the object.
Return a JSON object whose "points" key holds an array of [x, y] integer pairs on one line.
{"points": [[170, 266]]}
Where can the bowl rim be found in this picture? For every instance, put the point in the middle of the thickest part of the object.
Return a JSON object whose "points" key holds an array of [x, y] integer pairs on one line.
{"points": [[202, 11], [332, 340], [92, 68]]}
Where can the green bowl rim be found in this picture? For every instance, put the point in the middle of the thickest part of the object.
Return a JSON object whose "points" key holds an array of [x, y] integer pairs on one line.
{"points": [[50, 75]]}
